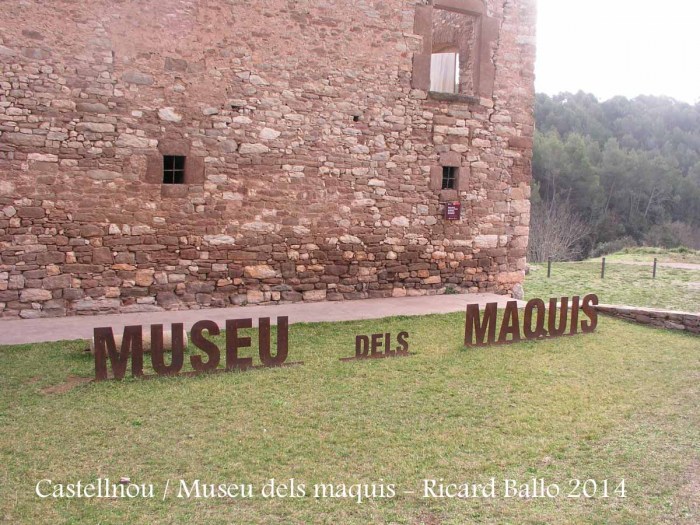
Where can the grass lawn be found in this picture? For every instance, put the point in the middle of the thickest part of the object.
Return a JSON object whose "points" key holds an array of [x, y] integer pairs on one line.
{"points": [[674, 289], [618, 404], [648, 254]]}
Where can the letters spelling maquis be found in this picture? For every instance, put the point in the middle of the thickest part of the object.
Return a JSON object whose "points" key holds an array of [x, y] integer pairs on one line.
{"points": [[557, 319]]}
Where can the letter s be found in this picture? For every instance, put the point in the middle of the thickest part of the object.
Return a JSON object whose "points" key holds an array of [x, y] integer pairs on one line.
{"points": [[403, 341], [208, 347], [589, 304]]}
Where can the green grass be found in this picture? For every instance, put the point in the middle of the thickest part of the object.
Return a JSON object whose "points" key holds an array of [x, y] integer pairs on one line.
{"points": [[620, 403], [632, 285], [648, 254]]}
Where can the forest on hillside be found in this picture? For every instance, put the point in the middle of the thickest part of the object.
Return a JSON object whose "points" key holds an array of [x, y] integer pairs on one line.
{"points": [[613, 174]]}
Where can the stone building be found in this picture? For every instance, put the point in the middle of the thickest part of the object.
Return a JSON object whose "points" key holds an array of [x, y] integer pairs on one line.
{"points": [[191, 153]]}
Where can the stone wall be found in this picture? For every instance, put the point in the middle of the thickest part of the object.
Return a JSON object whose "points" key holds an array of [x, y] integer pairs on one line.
{"points": [[313, 162], [687, 321]]}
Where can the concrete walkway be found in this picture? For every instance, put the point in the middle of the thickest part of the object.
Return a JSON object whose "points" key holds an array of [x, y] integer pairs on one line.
{"points": [[20, 331]]}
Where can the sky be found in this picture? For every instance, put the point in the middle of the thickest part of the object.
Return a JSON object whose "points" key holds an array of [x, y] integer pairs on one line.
{"points": [[619, 47]]}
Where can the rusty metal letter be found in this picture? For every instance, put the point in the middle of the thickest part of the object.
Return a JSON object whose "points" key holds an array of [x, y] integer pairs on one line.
{"points": [[233, 343], [208, 347], [476, 329], [132, 343], [402, 339], [555, 330], [282, 341], [575, 308], [361, 346], [510, 324], [539, 330], [589, 304], [178, 352], [376, 343]]}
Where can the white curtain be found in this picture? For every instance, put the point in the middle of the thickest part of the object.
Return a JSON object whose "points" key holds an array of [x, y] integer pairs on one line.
{"points": [[444, 72]]}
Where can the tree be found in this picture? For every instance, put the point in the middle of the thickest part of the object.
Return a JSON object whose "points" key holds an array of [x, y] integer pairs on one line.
{"points": [[555, 232], [624, 167]]}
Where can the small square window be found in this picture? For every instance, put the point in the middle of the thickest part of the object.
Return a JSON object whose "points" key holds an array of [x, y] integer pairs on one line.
{"points": [[173, 169], [449, 177]]}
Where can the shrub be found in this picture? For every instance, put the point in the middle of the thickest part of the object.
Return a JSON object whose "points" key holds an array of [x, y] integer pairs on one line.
{"points": [[621, 244]]}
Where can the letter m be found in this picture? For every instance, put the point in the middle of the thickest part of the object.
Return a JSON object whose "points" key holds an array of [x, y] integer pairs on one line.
{"points": [[105, 346], [476, 329]]}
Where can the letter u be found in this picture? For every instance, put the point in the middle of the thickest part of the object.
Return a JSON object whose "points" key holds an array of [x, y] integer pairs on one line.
{"points": [[157, 351], [555, 330]]}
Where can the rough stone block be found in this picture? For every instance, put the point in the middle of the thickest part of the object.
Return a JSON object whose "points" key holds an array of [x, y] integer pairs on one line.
{"points": [[35, 294], [261, 271], [314, 295], [31, 213], [57, 282], [254, 296], [137, 77]]}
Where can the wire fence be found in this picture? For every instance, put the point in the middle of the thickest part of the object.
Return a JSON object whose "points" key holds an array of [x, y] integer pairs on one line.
{"points": [[654, 271]]}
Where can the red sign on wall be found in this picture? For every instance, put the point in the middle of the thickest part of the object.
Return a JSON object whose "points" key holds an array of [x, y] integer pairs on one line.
{"points": [[453, 211]]}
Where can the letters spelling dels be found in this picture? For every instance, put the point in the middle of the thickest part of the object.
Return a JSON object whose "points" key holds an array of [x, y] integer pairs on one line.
{"points": [[368, 346]]}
